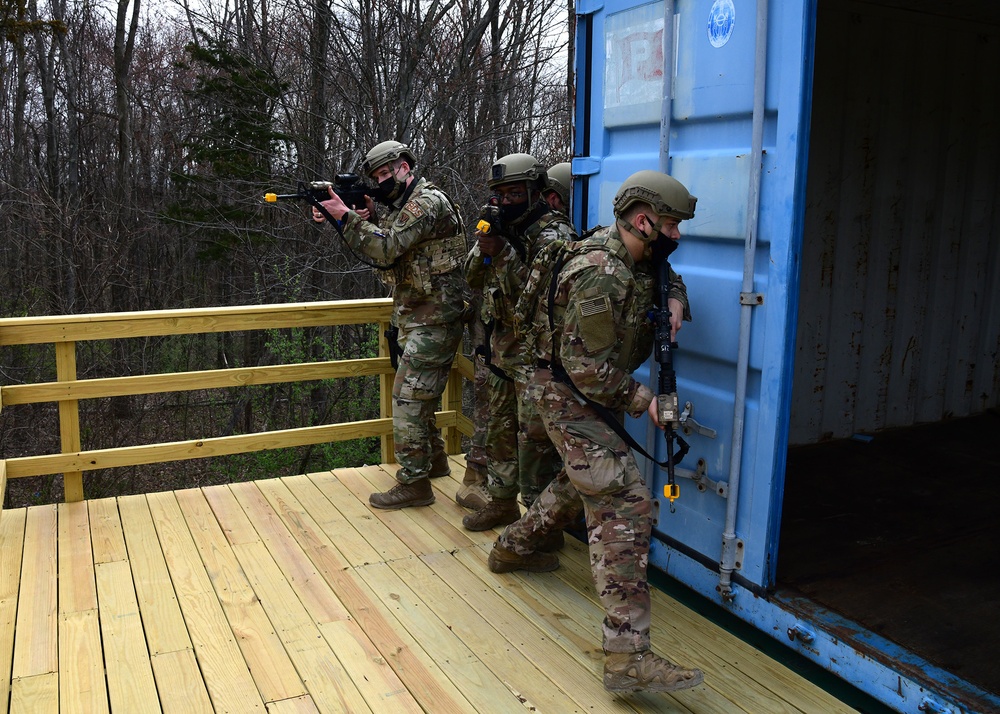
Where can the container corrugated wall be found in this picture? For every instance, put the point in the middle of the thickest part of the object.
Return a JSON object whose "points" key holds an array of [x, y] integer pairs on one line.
{"points": [[899, 319]]}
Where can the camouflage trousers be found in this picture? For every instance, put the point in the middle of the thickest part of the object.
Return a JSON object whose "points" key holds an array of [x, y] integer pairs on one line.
{"points": [[476, 455], [600, 471], [520, 456], [427, 354]]}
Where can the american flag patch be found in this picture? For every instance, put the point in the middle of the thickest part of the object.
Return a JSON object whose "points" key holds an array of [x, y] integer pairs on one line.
{"points": [[594, 306]]}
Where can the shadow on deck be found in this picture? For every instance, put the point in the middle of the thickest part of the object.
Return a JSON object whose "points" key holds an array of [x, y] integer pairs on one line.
{"points": [[292, 595]]}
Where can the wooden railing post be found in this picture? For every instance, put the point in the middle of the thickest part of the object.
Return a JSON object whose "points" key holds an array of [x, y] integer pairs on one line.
{"points": [[69, 419], [451, 400], [385, 382]]}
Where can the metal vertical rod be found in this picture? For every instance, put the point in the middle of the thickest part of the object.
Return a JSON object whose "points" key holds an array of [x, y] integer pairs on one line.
{"points": [[728, 558], [666, 113]]}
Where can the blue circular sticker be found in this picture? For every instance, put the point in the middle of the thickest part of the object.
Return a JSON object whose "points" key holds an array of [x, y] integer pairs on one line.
{"points": [[721, 21]]}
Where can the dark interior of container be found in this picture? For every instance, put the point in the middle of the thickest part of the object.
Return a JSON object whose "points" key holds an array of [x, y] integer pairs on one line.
{"points": [[897, 533], [892, 489]]}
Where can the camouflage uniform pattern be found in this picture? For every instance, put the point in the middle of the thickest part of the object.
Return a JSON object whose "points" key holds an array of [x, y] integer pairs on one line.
{"points": [[475, 457], [601, 328], [520, 457], [424, 242]]}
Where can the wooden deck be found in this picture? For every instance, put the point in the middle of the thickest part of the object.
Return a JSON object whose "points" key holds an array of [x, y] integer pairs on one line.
{"points": [[292, 595]]}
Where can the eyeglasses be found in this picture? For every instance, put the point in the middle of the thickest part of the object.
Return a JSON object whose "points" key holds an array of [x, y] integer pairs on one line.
{"points": [[512, 197]]}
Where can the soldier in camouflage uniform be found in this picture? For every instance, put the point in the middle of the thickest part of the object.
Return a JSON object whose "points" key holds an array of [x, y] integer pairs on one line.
{"points": [[473, 493], [597, 333], [559, 180], [520, 456], [419, 252]]}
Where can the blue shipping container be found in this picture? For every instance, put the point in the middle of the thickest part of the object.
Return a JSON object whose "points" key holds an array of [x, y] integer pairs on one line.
{"points": [[844, 274]]}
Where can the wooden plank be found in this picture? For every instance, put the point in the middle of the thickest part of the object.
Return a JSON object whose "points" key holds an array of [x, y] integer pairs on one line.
{"points": [[370, 540], [82, 688], [441, 522], [131, 686], [573, 620], [77, 588], [106, 531], [195, 448], [227, 676], [269, 664], [461, 661], [408, 660], [188, 381], [736, 667], [187, 572], [368, 669], [385, 382], [299, 705], [415, 537], [106, 326], [309, 586], [69, 420], [36, 649], [317, 664], [38, 694], [336, 525], [161, 614], [11, 548], [178, 679]]}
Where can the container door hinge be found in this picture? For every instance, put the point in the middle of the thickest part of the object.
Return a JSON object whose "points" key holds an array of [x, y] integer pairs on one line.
{"points": [[800, 632]]}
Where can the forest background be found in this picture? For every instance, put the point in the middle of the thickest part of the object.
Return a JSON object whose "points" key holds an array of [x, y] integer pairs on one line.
{"points": [[137, 142]]}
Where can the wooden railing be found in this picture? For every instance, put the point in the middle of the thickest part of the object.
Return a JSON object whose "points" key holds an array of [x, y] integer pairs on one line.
{"points": [[65, 331]]}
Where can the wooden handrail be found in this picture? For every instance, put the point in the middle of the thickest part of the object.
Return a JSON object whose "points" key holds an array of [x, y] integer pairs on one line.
{"points": [[64, 331]]}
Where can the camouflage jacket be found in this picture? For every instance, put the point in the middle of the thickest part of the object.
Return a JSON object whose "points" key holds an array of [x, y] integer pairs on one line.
{"points": [[600, 331], [424, 242], [502, 281]]}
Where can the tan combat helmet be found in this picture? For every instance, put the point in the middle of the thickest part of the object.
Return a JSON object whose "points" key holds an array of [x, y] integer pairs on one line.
{"points": [[514, 168], [665, 195], [559, 179], [387, 151]]}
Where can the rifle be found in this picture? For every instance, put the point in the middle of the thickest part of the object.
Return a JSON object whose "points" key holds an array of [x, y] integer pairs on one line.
{"points": [[352, 191], [668, 413]]}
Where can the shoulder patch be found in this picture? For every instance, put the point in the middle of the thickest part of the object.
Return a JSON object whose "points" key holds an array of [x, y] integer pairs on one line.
{"points": [[414, 209], [597, 324]]}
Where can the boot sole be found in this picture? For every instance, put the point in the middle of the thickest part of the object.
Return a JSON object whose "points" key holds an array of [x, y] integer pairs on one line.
{"points": [[499, 566], [473, 504], [398, 506], [635, 686], [476, 527]]}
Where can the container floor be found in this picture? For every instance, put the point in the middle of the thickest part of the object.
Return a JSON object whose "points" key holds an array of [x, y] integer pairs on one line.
{"points": [[899, 534]]}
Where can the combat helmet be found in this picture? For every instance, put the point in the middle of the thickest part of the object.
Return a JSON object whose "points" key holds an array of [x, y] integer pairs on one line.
{"points": [[559, 178], [387, 151], [517, 167], [665, 194]]}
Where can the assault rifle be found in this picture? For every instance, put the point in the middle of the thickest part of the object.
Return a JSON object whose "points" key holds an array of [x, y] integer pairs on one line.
{"points": [[668, 412], [352, 191], [349, 187]]}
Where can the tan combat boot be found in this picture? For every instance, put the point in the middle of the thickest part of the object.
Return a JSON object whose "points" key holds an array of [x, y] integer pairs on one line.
{"points": [[404, 495], [498, 512], [502, 560], [646, 672], [473, 494]]}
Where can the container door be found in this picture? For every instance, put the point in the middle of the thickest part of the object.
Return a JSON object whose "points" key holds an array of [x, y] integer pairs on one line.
{"points": [[707, 51]]}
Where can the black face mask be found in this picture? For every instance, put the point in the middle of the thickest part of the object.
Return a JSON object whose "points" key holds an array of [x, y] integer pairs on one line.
{"points": [[388, 190], [511, 213], [662, 248]]}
